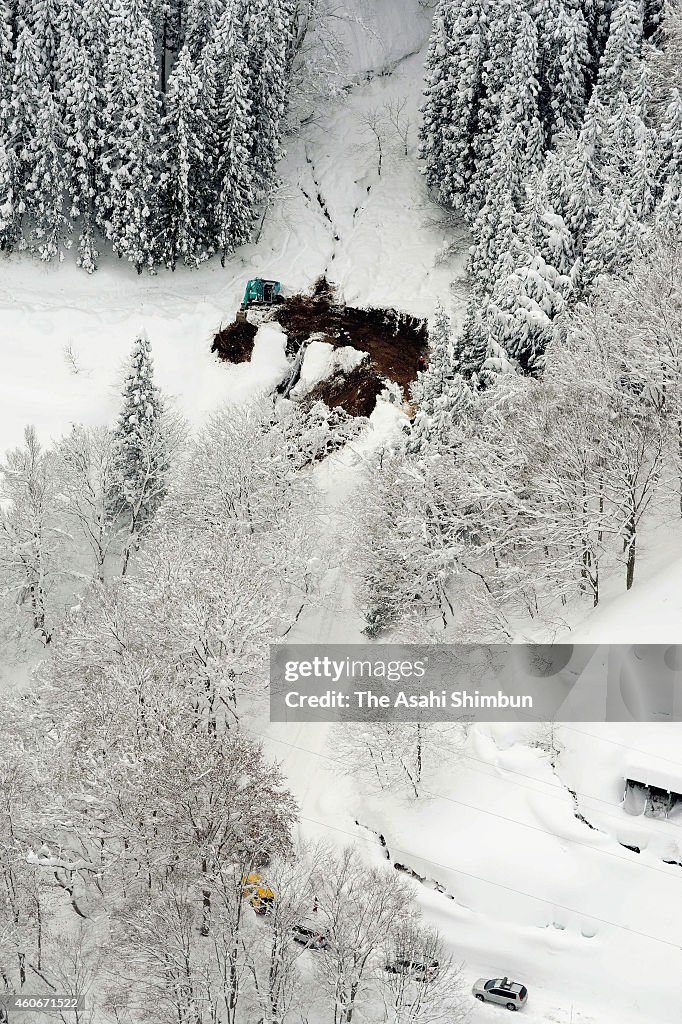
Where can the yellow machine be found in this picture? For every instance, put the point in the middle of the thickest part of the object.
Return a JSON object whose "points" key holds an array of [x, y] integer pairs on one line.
{"points": [[258, 892]]}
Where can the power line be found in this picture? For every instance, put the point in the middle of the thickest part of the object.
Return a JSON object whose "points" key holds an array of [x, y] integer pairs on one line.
{"points": [[501, 885], [524, 775], [625, 746], [512, 821]]}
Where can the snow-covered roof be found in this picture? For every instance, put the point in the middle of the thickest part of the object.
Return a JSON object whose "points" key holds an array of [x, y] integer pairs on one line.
{"points": [[652, 773]]}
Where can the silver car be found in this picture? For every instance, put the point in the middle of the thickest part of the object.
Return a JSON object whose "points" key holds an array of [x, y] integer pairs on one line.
{"points": [[502, 991], [309, 937]]}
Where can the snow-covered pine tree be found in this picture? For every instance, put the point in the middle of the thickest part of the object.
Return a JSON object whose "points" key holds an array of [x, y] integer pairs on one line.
{"points": [[127, 200], [597, 14], [503, 31], [522, 311], [641, 93], [201, 20], [581, 189], [235, 188], [6, 56], [553, 240], [619, 136], [185, 183], [554, 186], [568, 73], [454, 67], [441, 394], [268, 32], [23, 123], [545, 17], [470, 344], [8, 198], [45, 16], [642, 182], [141, 459], [654, 14], [614, 240], [619, 66], [497, 361], [520, 101], [46, 186], [494, 229], [79, 76], [670, 140], [671, 137]]}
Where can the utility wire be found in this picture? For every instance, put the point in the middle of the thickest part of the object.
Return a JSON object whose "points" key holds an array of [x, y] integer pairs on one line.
{"points": [[507, 888], [513, 821]]}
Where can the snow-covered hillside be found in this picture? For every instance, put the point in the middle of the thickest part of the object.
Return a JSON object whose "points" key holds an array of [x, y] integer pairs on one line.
{"points": [[526, 867], [378, 237]]}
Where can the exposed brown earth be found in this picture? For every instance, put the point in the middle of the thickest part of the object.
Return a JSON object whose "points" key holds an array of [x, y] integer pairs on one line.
{"points": [[393, 340], [355, 391], [234, 343]]}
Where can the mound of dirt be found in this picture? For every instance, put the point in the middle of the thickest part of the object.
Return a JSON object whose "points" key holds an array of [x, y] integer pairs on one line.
{"points": [[234, 343], [356, 391], [394, 341]]}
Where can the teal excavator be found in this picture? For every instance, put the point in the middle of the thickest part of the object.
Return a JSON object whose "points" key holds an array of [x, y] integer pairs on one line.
{"points": [[259, 292]]}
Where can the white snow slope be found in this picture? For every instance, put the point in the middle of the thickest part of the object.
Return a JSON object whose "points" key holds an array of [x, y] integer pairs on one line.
{"points": [[379, 240], [589, 926]]}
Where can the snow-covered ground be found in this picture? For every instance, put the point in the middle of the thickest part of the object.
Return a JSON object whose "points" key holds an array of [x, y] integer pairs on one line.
{"points": [[377, 237], [590, 926]]}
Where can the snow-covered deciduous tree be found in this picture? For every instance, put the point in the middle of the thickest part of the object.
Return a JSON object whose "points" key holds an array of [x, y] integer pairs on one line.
{"points": [[240, 471], [275, 978], [357, 908], [396, 756], [85, 468], [141, 450], [403, 570], [23, 897], [414, 997], [30, 562]]}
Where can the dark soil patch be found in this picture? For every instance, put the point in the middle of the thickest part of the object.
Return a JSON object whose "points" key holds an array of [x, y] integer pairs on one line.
{"points": [[234, 343], [356, 391], [393, 340]]}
